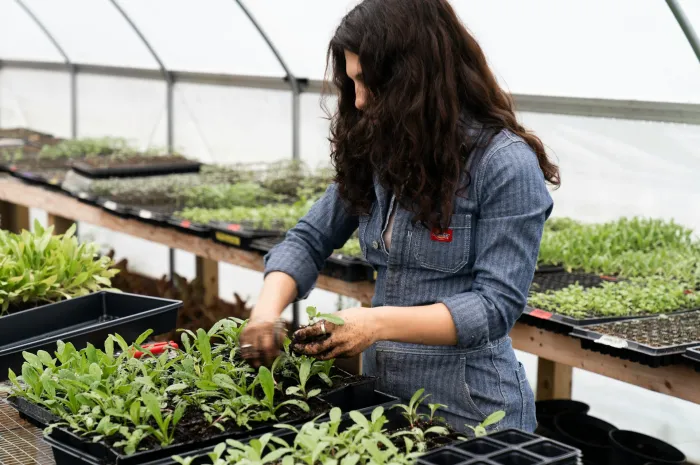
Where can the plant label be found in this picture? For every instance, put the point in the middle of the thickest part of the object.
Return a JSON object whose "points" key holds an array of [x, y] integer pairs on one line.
{"points": [[145, 214], [109, 205], [612, 341]]}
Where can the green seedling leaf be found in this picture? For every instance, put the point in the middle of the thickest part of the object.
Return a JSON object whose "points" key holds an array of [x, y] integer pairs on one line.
{"points": [[360, 419], [336, 320], [267, 383], [494, 418]]}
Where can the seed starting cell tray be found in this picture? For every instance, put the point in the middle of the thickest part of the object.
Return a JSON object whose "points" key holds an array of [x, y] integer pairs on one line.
{"points": [[82, 320], [136, 170], [653, 341], [509, 447], [239, 236], [693, 356]]}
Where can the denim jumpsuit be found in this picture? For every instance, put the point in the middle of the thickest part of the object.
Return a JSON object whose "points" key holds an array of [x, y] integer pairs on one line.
{"points": [[481, 275]]}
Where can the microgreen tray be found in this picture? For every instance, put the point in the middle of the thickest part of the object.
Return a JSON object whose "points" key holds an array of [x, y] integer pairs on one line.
{"points": [[81, 320], [38, 177], [239, 236], [595, 338], [509, 447], [693, 355], [175, 167]]}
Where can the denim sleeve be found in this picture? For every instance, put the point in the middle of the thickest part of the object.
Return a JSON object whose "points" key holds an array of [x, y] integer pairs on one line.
{"points": [[301, 255], [514, 204]]}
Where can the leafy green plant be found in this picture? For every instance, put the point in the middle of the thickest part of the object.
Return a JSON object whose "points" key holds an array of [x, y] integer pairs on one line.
{"points": [[637, 296], [269, 217], [495, 418], [87, 147], [316, 316], [229, 195], [410, 411], [40, 267]]}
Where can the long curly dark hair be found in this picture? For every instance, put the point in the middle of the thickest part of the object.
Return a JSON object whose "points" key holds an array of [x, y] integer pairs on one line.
{"points": [[422, 70]]}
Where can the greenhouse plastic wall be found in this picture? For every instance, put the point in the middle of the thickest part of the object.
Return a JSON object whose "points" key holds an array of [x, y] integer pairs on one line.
{"points": [[586, 74]]}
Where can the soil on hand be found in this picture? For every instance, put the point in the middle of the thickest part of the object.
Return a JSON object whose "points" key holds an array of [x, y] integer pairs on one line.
{"points": [[662, 331], [297, 341]]}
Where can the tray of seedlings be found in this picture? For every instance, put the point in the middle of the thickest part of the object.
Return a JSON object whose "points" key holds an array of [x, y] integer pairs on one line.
{"points": [[138, 403], [400, 434], [655, 341], [693, 356], [20, 144], [150, 163], [51, 164], [597, 273], [52, 287]]}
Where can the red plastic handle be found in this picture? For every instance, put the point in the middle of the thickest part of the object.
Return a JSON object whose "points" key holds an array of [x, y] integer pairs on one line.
{"points": [[155, 348]]}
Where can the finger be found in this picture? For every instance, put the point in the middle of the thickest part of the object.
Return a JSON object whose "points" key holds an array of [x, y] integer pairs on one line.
{"points": [[337, 351], [267, 347], [315, 348], [255, 354], [314, 330]]}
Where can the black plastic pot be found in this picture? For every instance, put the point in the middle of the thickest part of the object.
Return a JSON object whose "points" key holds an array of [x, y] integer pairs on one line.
{"points": [[589, 434], [546, 410], [83, 320], [630, 448]]}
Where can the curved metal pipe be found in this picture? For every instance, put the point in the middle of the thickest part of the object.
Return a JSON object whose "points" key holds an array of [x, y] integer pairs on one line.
{"points": [[71, 67], [293, 81], [685, 24], [167, 76]]}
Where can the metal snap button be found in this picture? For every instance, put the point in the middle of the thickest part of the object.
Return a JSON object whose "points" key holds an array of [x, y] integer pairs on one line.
{"points": [[375, 244]]}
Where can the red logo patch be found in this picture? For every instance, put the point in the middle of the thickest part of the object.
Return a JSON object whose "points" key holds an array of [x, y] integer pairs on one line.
{"points": [[441, 235]]}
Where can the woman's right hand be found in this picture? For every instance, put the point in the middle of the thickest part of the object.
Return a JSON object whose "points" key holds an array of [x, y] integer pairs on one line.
{"points": [[262, 340]]}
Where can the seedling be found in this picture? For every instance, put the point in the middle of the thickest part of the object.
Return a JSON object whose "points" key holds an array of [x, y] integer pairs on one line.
{"points": [[480, 429], [315, 316]]}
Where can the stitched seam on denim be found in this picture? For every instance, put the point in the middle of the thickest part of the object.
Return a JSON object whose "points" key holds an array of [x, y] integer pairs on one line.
{"points": [[485, 161], [500, 380], [429, 350], [467, 389]]}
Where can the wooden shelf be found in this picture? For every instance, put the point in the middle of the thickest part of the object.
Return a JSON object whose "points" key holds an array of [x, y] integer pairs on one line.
{"points": [[562, 352]]}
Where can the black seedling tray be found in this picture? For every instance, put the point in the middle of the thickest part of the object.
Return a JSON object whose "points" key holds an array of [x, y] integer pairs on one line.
{"points": [[34, 414], [196, 229], [35, 178], [82, 320], [693, 355], [132, 171], [394, 417], [100, 453], [631, 350], [554, 279], [509, 447], [154, 214], [265, 244], [114, 207], [239, 236]]}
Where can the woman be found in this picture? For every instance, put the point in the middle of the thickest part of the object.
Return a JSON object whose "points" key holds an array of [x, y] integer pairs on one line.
{"points": [[448, 192]]}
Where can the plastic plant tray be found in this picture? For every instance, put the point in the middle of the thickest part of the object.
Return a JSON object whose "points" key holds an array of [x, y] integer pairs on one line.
{"points": [[180, 167], [72, 449], [190, 227], [693, 355], [113, 207], [82, 320], [239, 236], [36, 178], [509, 447], [630, 350]]}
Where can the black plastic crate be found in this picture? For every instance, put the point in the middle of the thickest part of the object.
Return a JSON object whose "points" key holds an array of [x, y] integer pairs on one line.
{"points": [[239, 236], [509, 447], [132, 171], [189, 227], [632, 350], [36, 178], [693, 355], [34, 414], [82, 320]]}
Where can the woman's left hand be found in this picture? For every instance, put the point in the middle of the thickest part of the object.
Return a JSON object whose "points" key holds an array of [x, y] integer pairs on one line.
{"points": [[360, 331]]}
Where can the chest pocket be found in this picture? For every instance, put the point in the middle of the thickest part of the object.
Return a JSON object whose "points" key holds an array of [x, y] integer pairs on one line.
{"points": [[444, 253]]}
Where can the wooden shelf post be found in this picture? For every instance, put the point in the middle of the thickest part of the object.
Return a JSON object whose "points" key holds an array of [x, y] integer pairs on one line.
{"points": [[13, 217], [553, 380], [59, 223], [208, 274]]}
